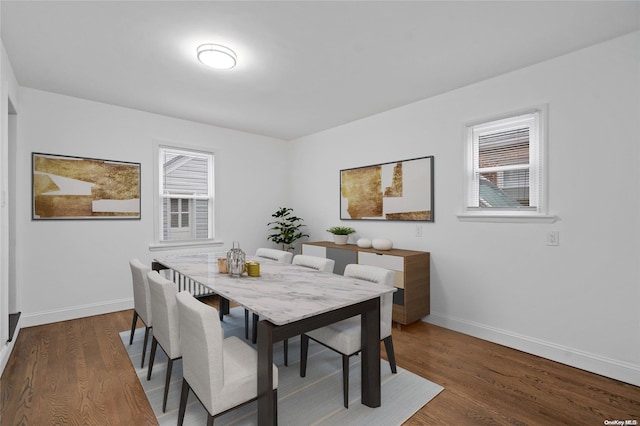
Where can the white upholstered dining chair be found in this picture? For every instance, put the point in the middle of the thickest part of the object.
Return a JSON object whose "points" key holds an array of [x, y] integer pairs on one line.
{"points": [[141, 301], [275, 254], [164, 310], [223, 373], [315, 262], [344, 336]]}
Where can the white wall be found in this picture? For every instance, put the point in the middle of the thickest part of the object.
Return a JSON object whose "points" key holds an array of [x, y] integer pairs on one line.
{"points": [[68, 269], [576, 303], [8, 91]]}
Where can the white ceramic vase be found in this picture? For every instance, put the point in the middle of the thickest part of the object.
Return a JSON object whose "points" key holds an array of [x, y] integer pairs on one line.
{"points": [[382, 244], [364, 243]]}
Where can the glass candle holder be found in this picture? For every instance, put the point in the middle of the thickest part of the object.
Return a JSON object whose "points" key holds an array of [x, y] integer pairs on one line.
{"points": [[236, 260]]}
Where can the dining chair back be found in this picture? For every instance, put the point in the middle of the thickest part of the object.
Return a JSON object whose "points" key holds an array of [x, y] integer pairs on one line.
{"points": [[141, 301], [223, 373], [344, 336], [315, 262], [164, 309], [381, 276], [275, 254]]}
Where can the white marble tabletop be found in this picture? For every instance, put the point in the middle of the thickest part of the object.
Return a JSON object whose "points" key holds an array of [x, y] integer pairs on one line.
{"points": [[283, 293]]}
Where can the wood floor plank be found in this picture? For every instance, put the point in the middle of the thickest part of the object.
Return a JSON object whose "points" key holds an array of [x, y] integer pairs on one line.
{"points": [[78, 372]]}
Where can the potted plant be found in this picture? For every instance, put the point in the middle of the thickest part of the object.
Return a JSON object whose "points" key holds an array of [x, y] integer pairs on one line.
{"points": [[341, 234], [286, 228]]}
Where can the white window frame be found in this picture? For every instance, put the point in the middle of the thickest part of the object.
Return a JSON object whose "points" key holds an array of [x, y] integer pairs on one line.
{"points": [[537, 170], [159, 243]]}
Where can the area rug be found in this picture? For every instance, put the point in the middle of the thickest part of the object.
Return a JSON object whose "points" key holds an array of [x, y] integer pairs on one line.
{"points": [[312, 400]]}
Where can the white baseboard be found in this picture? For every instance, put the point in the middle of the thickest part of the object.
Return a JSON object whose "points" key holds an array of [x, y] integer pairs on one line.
{"points": [[608, 367], [5, 350], [55, 315]]}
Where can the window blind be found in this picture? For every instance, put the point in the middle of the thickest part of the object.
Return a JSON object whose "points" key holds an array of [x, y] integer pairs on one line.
{"points": [[504, 175]]}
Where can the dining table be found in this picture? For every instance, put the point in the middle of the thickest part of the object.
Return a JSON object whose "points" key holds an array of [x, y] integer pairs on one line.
{"points": [[290, 301]]}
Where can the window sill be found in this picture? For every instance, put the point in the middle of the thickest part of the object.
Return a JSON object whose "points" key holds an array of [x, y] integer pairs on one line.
{"points": [[172, 245], [507, 218]]}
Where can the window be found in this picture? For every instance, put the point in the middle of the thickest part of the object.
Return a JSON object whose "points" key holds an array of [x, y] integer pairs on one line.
{"points": [[185, 194], [505, 166], [179, 213]]}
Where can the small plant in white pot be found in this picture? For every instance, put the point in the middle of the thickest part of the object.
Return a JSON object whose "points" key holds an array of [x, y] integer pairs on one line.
{"points": [[341, 234]]}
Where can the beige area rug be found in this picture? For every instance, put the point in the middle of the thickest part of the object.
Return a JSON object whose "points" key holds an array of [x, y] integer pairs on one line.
{"points": [[312, 400]]}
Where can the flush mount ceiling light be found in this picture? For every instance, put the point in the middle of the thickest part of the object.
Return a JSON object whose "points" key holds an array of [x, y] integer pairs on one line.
{"points": [[217, 56]]}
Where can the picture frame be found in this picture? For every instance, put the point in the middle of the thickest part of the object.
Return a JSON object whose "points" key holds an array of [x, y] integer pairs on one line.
{"points": [[394, 191], [69, 188]]}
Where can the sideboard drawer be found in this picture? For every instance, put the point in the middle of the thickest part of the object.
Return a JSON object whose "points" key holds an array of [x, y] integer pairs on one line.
{"points": [[310, 250], [342, 258], [386, 261]]}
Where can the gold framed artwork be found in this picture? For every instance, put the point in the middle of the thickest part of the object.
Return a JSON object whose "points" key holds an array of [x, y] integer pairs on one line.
{"points": [[66, 187], [398, 190]]}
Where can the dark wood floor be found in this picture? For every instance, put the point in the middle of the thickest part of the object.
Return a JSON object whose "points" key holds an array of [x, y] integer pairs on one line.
{"points": [[77, 372]]}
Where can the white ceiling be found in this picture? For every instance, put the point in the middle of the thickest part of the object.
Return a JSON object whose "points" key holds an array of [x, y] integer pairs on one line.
{"points": [[303, 66]]}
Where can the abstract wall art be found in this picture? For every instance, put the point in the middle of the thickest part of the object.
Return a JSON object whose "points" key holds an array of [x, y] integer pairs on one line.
{"points": [[65, 187], [398, 190]]}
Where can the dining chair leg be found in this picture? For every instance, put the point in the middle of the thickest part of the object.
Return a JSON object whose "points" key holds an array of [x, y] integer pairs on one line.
{"points": [[345, 380], [167, 382], [246, 324], [144, 345], [388, 346], [304, 349], [254, 329], [152, 356], [224, 308], [184, 395], [275, 406], [285, 344], [133, 326]]}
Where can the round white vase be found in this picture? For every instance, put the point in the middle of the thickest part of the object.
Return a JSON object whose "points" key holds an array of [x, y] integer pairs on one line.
{"points": [[340, 239], [364, 243], [382, 244]]}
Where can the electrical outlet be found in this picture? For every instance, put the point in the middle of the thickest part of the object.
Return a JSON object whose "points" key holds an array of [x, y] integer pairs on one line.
{"points": [[418, 230], [553, 238]]}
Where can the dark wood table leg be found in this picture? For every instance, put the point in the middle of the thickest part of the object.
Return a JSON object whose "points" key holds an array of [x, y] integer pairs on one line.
{"points": [[254, 328], [370, 341], [266, 406], [224, 307]]}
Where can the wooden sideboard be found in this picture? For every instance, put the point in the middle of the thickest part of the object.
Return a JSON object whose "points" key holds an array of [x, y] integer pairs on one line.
{"points": [[411, 301]]}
